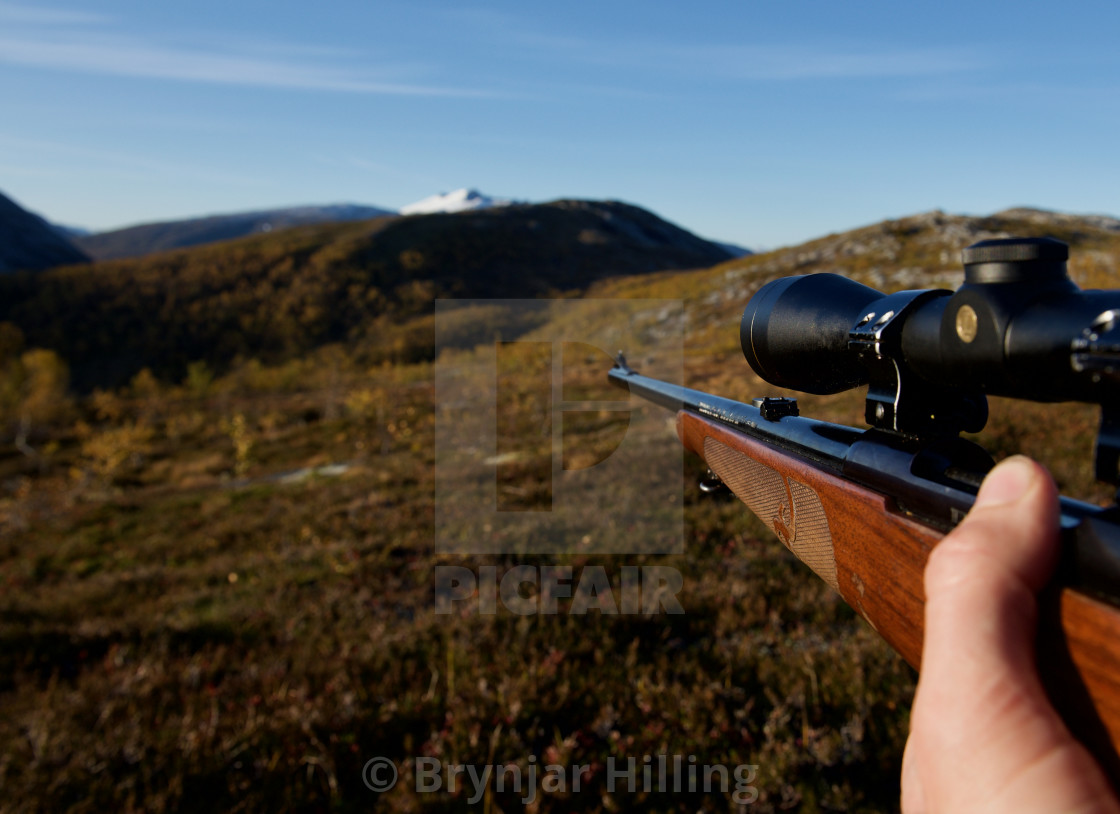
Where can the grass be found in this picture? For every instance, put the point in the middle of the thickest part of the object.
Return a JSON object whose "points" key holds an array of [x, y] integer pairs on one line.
{"points": [[220, 596], [189, 631]]}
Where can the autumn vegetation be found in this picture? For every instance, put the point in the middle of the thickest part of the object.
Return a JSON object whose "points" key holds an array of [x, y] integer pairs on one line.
{"points": [[216, 540]]}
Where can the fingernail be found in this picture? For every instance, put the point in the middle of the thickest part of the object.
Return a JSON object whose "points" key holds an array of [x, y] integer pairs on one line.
{"points": [[1007, 482]]}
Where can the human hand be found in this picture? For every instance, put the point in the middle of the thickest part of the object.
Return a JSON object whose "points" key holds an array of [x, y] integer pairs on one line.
{"points": [[983, 735]]}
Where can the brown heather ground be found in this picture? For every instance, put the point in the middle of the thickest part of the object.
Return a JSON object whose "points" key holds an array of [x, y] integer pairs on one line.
{"points": [[181, 628]]}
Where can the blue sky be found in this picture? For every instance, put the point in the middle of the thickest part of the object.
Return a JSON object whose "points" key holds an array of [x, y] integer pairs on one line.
{"points": [[760, 123]]}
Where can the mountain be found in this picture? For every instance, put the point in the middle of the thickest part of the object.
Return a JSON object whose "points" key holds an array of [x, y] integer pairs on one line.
{"points": [[70, 232], [734, 249], [460, 200], [370, 285], [29, 243], [135, 241]]}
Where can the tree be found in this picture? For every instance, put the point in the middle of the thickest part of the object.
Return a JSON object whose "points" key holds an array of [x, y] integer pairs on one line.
{"points": [[43, 395]]}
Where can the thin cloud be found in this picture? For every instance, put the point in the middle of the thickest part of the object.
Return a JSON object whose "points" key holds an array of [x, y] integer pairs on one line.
{"points": [[70, 41], [734, 61], [790, 62], [34, 15], [778, 63]]}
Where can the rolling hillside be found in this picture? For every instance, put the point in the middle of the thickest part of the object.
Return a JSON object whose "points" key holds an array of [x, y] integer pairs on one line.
{"points": [[275, 295], [136, 241], [918, 251]]}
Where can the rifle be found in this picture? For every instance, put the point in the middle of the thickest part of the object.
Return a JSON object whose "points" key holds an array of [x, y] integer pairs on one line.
{"points": [[864, 508]]}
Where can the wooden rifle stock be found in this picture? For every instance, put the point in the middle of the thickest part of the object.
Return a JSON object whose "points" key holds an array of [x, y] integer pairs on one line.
{"points": [[874, 555]]}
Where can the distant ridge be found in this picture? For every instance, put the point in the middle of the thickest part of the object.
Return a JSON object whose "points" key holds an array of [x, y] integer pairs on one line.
{"points": [[734, 249], [136, 241], [29, 243], [1047, 216], [371, 285]]}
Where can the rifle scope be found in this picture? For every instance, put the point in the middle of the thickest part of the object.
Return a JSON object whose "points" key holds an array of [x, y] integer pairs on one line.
{"points": [[1017, 327]]}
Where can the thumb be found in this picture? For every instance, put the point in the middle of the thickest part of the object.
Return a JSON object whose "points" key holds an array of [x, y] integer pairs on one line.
{"points": [[984, 736]]}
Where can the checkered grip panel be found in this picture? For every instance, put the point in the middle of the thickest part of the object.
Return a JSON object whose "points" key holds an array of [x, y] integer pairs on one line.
{"points": [[792, 510]]}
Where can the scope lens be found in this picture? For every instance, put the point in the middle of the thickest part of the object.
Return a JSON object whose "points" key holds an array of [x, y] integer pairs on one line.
{"points": [[794, 332]]}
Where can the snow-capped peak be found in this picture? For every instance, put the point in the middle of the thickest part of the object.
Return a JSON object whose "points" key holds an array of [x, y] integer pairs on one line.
{"points": [[458, 201]]}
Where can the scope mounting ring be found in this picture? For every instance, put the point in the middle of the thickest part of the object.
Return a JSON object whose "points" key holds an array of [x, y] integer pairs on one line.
{"points": [[897, 399]]}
